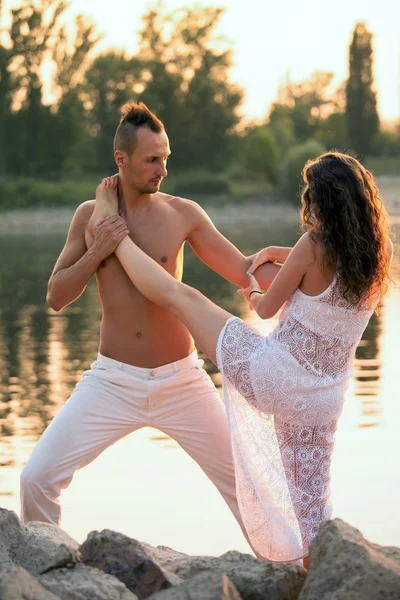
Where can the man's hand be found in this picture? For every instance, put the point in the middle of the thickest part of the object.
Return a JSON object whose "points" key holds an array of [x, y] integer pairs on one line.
{"points": [[108, 234]]}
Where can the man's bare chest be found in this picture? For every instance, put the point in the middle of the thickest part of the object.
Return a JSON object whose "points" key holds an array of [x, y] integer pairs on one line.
{"points": [[163, 244], [163, 248], [161, 239]]}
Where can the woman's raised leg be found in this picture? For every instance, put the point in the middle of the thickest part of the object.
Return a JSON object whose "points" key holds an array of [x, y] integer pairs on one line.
{"points": [[203, 318]]}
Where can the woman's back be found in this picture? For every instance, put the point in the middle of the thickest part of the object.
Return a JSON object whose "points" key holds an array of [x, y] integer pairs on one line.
{"points": [[322, 331]]}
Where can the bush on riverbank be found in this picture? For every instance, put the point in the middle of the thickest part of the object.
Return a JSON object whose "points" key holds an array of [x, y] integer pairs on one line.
{"points": [[290, 175], [25, 192], [216, 189], [383, 165]]}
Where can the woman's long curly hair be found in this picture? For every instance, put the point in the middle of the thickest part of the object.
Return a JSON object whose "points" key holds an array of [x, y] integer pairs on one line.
{"points": [[341, 205]]}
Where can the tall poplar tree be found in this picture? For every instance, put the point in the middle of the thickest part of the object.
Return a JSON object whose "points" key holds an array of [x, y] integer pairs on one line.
{"points": [[361, 106]]}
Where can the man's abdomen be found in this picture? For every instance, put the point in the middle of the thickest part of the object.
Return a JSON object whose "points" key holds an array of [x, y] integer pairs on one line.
{"points": [[148, 339]]}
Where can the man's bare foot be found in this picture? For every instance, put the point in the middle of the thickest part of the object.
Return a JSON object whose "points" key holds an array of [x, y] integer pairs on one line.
{"points": [[106, 201]]}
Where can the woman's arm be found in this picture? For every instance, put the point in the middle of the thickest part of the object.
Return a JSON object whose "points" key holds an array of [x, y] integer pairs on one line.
{"points": [[270, 254], [285, 283], [266, 264]]}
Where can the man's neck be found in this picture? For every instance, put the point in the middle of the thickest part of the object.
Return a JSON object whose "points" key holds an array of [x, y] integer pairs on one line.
{"points": [[132, 200]]}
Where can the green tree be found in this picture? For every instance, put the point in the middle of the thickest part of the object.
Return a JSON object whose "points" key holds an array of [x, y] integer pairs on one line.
{"points": [[280, 123], [71, 59], [31, 36], [290, 176], [35, 142], [110, 81], [5, 104], [304, 104], [260, 155], [187, 84], [332, 131], [361, 106], [387, 142], [181, 73]]}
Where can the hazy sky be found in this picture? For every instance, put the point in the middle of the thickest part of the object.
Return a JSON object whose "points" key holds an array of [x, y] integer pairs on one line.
{"points": [[274, 39]]}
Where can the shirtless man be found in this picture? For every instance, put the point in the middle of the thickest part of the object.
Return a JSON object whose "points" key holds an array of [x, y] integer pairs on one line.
{"points": [[147, 372]]}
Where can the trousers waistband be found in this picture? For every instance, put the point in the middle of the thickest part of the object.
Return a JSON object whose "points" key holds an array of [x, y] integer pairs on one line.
{"points": [[174, 367]]}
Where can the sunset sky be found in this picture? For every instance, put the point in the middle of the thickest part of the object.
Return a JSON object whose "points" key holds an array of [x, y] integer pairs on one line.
{"points": [[272, 40]]}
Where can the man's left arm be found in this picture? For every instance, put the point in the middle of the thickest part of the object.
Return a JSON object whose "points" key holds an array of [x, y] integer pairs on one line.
{"points": [[221, 255]]}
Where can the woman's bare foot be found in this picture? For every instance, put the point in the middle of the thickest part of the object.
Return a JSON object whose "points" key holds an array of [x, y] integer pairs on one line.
{"points": [[106, 201]]}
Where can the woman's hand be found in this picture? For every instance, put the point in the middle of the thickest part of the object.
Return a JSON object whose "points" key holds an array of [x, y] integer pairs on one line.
{"points": [[252, 287], [263, 256]]}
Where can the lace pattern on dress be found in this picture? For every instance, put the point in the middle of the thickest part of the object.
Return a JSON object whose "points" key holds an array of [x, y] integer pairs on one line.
{"points": [[319, 355], [284, 395]]}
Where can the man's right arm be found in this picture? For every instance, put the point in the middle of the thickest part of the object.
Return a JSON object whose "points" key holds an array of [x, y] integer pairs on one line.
{"points": [[75, 265]]}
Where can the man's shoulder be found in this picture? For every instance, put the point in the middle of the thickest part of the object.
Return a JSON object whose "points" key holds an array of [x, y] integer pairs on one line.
{"points": [[86, 207], [186, 208], [177, 201], [85, 210], [82, 215]]}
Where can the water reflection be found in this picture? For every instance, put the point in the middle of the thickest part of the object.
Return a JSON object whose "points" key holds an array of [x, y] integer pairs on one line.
{"points": [[42, 353], [367, 376]]}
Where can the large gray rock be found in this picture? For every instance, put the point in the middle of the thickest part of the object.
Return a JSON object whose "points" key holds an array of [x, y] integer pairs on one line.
{"points": [[47, 547], [204, 586], [51, 554], [345, 566], [12, 537], [38, 547], [18, 584], [155, 567], [85, 583], [254, 579], [128, 560], [167, 557]]}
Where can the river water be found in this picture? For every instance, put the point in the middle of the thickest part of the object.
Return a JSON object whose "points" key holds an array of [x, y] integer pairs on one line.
{"points": [[145, 485]]}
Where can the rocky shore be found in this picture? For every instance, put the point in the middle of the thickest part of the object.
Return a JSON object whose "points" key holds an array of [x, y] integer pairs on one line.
{"points": [[41, 562]]}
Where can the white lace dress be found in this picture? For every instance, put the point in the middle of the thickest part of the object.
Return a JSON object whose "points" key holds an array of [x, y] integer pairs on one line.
{"points": [[284, 394]]}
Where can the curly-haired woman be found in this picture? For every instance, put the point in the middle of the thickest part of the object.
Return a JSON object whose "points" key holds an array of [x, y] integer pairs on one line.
{"points": [[284, 392]]}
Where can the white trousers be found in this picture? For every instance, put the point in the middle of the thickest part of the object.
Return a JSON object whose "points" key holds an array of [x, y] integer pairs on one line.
{"points": [[113, 399]]}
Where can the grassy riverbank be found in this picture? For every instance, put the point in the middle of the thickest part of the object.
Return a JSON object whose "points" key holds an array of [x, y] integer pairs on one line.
{"points": [[258, 206], [216, 189]]}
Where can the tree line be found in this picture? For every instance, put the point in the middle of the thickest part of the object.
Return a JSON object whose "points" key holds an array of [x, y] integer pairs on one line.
{"points": [[177, 71], [60, 101]]}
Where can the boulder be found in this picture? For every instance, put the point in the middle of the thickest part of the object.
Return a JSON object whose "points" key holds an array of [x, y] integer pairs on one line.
{"points": [[145, 569], [48, 553], [38, 547], [11, 537], [128, 560], [18, 584], [204, 586], [47, 547], [85, 583], [346, 566], [254, 579]]}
